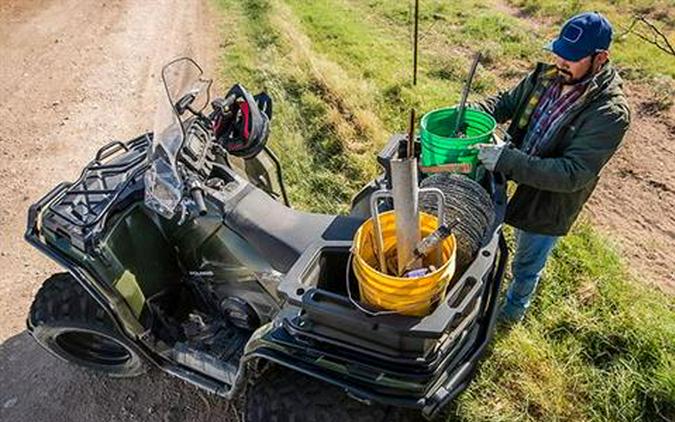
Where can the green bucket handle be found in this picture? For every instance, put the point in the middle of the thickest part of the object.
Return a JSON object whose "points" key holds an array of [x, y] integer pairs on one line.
{"points": [[505, 135]]}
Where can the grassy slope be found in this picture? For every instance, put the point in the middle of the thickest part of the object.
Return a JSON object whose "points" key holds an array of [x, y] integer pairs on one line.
{"points": [[596, 345]]}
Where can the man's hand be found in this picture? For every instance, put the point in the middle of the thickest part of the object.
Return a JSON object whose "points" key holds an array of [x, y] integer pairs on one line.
{"points": [[489, 154]]}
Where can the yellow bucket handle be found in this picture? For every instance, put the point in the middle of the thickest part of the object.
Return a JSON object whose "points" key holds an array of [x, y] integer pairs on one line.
{"points": [[358, 305], [375, 215]]}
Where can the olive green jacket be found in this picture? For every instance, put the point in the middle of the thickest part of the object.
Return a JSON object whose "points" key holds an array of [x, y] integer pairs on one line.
{"points": [[552, 188]]}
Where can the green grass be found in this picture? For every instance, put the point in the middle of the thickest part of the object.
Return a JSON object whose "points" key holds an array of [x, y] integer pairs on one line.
{"points": [[322, 135], [596, 345]]}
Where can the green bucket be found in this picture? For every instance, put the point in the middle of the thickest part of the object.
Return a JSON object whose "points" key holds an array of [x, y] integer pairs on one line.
{"points": [[455, 155]]}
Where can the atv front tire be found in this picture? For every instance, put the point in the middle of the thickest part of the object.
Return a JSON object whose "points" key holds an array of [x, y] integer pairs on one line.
{"points": [[67, 321], [283, 395]]}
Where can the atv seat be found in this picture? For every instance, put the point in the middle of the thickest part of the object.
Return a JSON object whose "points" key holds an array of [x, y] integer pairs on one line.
{"points": [[280, 234]]}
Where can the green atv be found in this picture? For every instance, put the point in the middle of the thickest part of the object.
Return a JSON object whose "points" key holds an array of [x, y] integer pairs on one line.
{"points": [[182, 252]]}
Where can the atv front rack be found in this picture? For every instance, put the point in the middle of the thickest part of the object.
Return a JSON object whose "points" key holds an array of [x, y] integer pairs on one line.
{"points": [[77, 211]]}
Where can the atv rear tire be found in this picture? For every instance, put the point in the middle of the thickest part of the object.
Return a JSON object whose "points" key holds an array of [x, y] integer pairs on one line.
{"points": [[68, 322], [283, 395]]}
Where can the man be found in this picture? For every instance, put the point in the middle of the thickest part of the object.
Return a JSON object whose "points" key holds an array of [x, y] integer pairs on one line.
{"points": [[567, 120]]}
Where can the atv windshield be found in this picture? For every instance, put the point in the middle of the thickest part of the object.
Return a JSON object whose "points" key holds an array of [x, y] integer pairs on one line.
{"points": [[185, 94]]}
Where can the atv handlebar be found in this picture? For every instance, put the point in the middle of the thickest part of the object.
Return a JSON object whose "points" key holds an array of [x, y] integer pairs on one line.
{"points": [[198, 197]]}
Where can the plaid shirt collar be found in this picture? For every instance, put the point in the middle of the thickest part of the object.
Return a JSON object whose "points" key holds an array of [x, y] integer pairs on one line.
{"points": [[552, 106]]}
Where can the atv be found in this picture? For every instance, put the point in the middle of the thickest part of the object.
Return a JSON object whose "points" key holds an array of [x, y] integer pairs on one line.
{"points": [[182, 252]]}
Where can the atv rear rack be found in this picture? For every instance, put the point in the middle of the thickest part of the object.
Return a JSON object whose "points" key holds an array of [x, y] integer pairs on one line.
{"points": [[426, 382]]}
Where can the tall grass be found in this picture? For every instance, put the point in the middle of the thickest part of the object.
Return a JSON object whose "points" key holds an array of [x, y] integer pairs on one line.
{"points": [[596, 345]]}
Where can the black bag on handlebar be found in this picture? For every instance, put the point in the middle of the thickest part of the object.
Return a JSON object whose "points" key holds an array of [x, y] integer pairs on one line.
{"points": [[242, 124]]}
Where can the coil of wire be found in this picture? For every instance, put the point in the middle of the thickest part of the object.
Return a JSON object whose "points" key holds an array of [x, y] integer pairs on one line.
{"points": [[467, 201]]}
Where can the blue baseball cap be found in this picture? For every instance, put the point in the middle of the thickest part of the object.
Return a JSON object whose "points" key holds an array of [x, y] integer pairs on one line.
{"points": [[581, 36]]}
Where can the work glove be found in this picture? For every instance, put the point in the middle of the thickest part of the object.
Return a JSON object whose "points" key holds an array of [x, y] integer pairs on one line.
{"points": [[489, 154]]}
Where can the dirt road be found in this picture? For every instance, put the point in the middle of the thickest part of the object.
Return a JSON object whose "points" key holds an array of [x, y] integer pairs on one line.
{"points": [[73, 76]]}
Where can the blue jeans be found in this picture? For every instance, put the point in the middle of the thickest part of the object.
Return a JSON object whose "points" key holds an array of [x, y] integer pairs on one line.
{"points": [[532, 252]]}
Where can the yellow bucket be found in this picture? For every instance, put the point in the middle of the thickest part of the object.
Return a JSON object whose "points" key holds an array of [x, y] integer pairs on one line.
{"points": [[408, 296]]}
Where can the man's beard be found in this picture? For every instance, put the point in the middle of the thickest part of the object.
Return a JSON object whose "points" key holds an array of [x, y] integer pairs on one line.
{"points": [[565, 77]]}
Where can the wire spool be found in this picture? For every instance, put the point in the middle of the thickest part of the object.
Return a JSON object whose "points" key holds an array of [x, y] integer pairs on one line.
{"points": [[467, 201]]}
